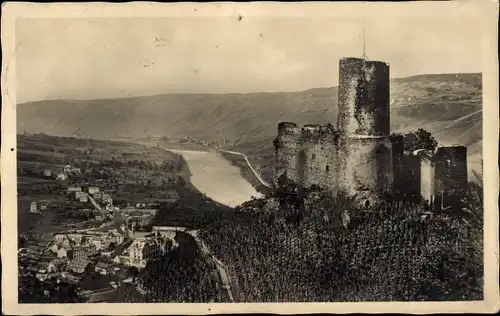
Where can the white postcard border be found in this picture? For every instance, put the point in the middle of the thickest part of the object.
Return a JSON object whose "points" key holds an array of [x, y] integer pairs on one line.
{"points": [[487, 13]]}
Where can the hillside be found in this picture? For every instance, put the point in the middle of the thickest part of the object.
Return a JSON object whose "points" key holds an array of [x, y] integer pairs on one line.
{"points": [[117, 167], [448, 105]]}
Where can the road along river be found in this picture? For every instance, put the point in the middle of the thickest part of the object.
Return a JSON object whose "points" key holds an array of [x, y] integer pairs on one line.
{"points": [[216, 177]]}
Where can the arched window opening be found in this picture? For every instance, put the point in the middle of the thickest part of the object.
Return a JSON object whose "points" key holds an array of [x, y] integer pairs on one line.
{"points": [[327, 168]]}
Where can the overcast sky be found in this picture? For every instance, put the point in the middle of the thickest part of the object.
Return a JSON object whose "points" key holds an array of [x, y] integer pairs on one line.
{"points": [[119, 57]]}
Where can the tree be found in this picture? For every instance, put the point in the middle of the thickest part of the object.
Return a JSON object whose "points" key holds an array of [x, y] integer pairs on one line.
{"points": [[419, 139]]}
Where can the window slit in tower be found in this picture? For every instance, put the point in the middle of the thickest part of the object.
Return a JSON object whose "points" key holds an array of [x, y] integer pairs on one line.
{"points": [[327, 168], [448, 163]]}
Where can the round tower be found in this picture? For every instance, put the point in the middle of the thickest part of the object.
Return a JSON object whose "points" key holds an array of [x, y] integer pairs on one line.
{"points": [[286, 150], [365, 153]]}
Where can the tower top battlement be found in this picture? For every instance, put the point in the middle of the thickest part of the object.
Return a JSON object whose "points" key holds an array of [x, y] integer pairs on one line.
{"points": [[357, 60]]}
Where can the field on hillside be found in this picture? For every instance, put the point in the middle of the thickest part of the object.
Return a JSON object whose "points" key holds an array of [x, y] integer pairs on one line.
{"points": [[128, 172], [448, 105], [324, 249]]}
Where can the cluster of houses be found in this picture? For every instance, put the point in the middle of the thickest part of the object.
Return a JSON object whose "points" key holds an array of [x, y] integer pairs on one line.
{"points": [[65, 172], [216, 144], [107, 250], [69, 256], [94, 192], [38, 207]]}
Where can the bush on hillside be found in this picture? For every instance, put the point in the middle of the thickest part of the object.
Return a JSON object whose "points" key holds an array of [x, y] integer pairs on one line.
{"points": [[183, 275]]}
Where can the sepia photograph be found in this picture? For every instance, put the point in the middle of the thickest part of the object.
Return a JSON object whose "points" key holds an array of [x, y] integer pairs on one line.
{"points": [[249, 153]]}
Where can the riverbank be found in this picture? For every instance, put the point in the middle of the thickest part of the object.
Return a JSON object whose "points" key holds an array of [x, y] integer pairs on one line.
{"points": [[240, 161], [215, 176], [194, 152]]}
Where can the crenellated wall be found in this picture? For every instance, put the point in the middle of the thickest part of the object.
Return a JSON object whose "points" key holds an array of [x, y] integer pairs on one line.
{"points": [[307, 154]]}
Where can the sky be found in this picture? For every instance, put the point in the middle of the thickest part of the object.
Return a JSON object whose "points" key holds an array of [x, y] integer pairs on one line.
{"points": [[120, 57]]}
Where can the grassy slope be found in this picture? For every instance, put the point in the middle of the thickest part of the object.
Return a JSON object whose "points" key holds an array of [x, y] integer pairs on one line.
{"points": [[448, 105], [40, 152]]}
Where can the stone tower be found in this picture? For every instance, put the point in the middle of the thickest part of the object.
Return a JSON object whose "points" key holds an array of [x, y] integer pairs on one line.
{"points": [[286, 150], [365, 151]]}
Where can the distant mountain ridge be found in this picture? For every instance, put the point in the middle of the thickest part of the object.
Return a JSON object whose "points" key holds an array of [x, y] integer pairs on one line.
{"points": [[448, 105]]}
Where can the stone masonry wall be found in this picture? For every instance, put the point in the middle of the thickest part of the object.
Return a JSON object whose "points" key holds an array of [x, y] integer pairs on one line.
{"points": [[451, 169], [366, 165], [307, 154]]}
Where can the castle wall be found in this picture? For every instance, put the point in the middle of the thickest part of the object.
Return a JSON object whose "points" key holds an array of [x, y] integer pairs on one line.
{"points": [[417, 178], [365, 164], [321, 148], [427, 179], [412, 178], [450, 173], [398, 165], [307, 154], [451, 169]]}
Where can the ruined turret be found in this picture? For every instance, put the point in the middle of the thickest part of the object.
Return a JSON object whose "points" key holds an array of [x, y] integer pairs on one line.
{"points": [[450, 174]]}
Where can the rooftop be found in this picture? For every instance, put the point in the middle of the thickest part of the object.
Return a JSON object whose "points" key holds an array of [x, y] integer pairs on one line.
{"points": [[81, 264], [102, 265]]}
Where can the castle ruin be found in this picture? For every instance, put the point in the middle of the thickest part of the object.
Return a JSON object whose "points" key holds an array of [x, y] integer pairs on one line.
{"points": [[359, 155]]}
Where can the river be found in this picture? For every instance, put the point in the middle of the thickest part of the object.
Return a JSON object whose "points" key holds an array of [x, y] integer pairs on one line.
{"points": [[211, 173], [216, 177]]}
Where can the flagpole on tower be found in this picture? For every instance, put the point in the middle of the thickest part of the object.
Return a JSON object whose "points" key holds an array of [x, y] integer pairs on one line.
{"points": [[363, 10], [364, 38]]}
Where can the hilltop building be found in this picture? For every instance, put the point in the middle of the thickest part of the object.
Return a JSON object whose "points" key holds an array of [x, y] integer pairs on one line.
{"points": [[359, 156]]}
